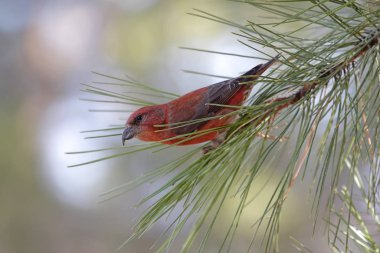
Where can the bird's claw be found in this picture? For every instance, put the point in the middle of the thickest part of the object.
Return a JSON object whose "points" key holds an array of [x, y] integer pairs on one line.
{"points": [[215, 143], [207, 149]]}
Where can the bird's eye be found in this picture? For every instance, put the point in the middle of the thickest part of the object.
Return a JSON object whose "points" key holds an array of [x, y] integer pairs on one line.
{"points": [[138, 118]]}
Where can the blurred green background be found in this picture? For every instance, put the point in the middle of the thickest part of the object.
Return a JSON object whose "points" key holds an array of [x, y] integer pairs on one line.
{"points": [[47, 49]]}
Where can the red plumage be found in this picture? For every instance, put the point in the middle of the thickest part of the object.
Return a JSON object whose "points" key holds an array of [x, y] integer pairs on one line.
{"points": [[162, 123]]}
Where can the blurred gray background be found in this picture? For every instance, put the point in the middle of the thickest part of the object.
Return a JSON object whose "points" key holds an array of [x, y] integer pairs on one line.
{"points": [[47, 49]]}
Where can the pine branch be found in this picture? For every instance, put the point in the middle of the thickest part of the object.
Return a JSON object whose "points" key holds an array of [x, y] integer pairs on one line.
{"points": [[333, 76], [333, 70]]}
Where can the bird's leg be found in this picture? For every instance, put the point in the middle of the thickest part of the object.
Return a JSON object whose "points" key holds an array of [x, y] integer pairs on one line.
{"points": [[215, 143]]}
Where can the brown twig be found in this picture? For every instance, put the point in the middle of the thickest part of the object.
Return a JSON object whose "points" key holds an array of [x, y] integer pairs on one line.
{"points": [[364, 45], [331, 71]]}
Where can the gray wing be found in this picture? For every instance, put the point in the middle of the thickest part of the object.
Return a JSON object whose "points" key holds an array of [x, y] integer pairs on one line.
{"points": [[219, 93]]}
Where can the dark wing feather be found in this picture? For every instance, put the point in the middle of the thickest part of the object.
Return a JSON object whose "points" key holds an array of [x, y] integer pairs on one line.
{"points": [[219, 93], [197, 102]]}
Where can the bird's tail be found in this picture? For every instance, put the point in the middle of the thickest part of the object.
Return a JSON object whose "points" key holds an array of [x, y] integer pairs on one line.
{"points": [[255, 72]]}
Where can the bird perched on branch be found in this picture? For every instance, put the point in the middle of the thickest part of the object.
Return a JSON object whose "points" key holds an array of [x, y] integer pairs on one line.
{"points": [[195, 117]]}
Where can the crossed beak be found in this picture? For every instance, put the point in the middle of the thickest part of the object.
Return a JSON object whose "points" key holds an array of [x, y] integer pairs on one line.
{"points": [[129, 133]]}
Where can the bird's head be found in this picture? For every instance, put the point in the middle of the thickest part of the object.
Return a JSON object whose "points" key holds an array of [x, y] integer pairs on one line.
{"points": [[143, 121]]}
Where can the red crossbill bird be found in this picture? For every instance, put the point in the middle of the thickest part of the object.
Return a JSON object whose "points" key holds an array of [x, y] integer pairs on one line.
{"points": [[179, 122]]}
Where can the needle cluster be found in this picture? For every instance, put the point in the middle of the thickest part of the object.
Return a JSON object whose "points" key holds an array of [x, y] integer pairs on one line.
{"points": [[323, 100]]}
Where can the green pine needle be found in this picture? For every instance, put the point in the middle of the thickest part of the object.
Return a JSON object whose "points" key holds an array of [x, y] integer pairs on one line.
{"points": [[323, 98]]}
